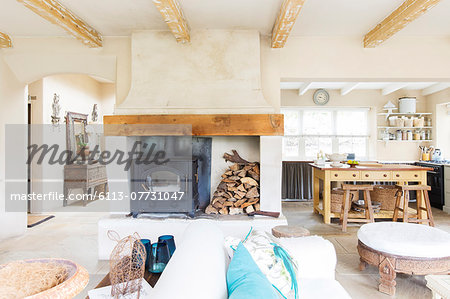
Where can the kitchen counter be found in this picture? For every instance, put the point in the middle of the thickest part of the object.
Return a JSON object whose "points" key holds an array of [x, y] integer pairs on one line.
{"points": [[365, 172], [371, 166]]}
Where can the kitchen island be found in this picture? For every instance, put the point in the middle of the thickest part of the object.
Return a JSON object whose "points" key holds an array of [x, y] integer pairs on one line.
{"points": [[370, 173]]}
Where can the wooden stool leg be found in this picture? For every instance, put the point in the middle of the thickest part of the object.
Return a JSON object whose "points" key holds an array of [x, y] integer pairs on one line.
{"points": [[345, 210], [428, 207], [419, 204], [405, 206], [369, 208], [397, 206]]}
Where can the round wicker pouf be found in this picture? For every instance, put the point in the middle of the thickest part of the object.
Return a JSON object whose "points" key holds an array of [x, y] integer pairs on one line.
{"points": [[289, 231]]}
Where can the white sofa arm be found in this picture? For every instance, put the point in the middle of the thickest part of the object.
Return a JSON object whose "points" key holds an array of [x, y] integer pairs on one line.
{"points": [[315, 256], [199, 257]]}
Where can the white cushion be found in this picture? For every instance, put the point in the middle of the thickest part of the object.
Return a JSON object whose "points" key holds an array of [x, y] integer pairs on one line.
{"points": [[321, 289], [406, 239], [315, 256], [198, 267]]}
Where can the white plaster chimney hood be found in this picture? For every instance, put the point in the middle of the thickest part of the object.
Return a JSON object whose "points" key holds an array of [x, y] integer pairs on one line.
{"points": [[217, 72]]}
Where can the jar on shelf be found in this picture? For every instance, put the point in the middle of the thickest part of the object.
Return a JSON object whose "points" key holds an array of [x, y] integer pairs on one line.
{"points": [[409, 135], [423, 135], [428, 122], [416, 135], [398, 135], [427, 135], [404, 135]]}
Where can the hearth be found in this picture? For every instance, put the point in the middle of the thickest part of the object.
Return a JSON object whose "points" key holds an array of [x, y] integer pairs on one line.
{"points": [[181, 184]]}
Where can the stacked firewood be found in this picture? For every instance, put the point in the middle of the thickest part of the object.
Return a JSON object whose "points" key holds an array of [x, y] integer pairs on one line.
{"points": [[238, 191]]}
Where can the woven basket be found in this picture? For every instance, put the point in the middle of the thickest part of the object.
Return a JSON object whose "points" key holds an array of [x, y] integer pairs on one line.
{"points": [[337, 198], [385, 194]]}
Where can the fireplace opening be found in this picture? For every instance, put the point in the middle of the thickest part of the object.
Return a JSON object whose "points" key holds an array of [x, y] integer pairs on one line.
{"points": [[179, 185]]}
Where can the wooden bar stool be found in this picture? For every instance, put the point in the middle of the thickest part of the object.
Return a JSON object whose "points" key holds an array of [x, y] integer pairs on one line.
{"points": [[368, 211], [422, 204]]}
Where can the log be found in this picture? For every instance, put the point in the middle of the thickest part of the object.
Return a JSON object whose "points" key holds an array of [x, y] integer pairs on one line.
{"points": [[234, 158], [235, 211], [235, 167], [256, 169], [223, 211], [241, 188], [240, 202], [252, 193], [239, 194], [232, 188], [249, 209], [250, 181], [254, 175], [234, 178], [211, 210]]}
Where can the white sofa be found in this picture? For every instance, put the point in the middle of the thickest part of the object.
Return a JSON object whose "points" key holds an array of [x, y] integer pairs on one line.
{"points": [[198, 267]]}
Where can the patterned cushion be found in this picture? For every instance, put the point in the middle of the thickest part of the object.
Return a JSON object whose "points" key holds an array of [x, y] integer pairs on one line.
{"points": [[272, 259]]}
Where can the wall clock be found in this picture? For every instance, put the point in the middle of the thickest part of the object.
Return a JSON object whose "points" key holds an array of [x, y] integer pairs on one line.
{"points": [[321, 97]]}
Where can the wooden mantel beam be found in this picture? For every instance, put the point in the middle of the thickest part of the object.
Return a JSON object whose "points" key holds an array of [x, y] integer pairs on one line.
{"points": [[54, 12], [201, 125], [5, 41], [407, 12], [173, 16], [285, 21]]}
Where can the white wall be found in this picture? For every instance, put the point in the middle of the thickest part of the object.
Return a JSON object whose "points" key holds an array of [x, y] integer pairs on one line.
{"points": [[13, 106], [372, 99], [437, 103]]}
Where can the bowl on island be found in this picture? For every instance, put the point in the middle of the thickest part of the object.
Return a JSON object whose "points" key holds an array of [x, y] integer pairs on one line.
{"points": [[336, 159]]}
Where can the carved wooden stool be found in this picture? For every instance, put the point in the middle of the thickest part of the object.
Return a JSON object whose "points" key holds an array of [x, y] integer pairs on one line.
{"points": [[289, 231], [422, 204], [396, 247], [368, 211]]}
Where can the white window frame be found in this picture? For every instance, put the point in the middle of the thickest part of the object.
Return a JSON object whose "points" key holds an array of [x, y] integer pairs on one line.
{"points": [[334, 136]]}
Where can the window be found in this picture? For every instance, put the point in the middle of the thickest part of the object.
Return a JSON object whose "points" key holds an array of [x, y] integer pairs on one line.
{"points": [[310, 130]]}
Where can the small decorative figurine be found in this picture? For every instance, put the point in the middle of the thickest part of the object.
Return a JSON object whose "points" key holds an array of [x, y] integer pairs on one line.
{"points": [[56, 109], [94, 116]]}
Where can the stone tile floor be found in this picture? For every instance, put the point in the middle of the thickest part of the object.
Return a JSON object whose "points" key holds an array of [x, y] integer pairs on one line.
{"points": [[74, 236]]}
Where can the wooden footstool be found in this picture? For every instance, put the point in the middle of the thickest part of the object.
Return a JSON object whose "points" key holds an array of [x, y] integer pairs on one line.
{"points": [[289, 231], [403, 248]]}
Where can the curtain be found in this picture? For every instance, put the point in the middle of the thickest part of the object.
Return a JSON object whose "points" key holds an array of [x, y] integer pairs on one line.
{"points": [[297, 181]]}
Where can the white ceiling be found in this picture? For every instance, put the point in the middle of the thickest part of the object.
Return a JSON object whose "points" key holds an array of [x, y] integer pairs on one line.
{"points": [[318, 17], [385, 88]]}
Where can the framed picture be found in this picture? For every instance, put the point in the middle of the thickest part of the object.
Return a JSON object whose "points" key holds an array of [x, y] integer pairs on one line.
{"points": [[76, 136]]}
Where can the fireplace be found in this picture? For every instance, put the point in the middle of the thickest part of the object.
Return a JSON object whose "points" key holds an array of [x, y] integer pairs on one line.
{"points": [[179, 185]]}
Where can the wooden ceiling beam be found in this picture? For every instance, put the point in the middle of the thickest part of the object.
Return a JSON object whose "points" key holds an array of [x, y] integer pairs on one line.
{"points": [[393, 88], [435, 88], [54, 12], [287, 16], [407, 12], [5, 40], [348, 88], [174, 18], [304, 88]]}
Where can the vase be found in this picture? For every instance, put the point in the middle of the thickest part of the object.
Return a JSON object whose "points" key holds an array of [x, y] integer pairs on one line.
{"points": [[170, 241], [159, 257]]}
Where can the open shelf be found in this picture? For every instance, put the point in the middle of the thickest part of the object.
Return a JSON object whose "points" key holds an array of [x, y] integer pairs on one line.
{"points": [[418, 141], [411, 114], [405, 127]]}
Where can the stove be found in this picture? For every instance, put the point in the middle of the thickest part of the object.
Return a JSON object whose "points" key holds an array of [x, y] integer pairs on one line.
{"points": [[435, 179]]}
